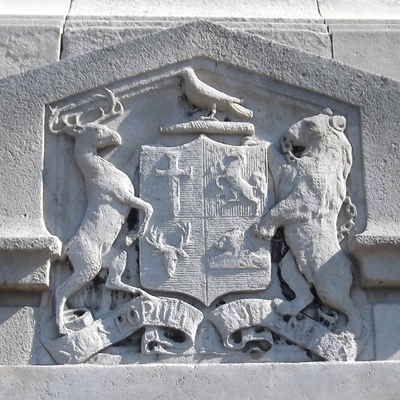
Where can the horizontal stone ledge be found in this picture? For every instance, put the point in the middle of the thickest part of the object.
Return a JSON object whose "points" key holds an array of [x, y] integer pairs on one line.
{"points": [[336, 380], [35, 7], [83, 34], [207, 8], [378, 257], [25, 261], [50, 243]]}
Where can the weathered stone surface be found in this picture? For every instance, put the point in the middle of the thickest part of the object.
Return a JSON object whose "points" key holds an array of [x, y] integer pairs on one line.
{"points": [[370, 251], [204, 9], [374, 48], [19, 340], [303, 39], [359, 9], [225, 218], [363, 381], [83, 34], [35, 7], [387, 325], [28, 43], [214, 288]]}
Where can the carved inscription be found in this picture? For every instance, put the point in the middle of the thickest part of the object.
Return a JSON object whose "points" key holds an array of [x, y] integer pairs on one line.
{"points": [[237, 319], [79, 345]]}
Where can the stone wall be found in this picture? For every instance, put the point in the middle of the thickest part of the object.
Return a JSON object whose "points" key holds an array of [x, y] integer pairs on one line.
{"points": [[361, 34], [149, 75]]}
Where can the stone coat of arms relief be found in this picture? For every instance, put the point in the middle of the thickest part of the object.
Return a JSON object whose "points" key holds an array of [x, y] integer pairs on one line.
{"points": [[213, 241]]}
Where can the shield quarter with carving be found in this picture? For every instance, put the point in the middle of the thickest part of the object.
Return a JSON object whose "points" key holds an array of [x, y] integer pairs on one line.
{"points": [[206, 196]]}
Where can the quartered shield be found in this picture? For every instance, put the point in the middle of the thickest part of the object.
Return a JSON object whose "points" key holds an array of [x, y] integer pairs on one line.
{"points": [[206, 197]]}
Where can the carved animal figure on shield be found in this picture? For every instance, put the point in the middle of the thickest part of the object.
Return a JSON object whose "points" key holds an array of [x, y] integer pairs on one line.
{"points": [[310, 181], [110, 198], [170, 254], [232, 174]]}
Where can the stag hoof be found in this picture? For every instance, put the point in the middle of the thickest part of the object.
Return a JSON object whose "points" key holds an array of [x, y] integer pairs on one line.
{"points": [[209, 118], [62, 329], [288, 308], [262, 232], [131, 239], [142, 293], [117, 284], [138, 292]]}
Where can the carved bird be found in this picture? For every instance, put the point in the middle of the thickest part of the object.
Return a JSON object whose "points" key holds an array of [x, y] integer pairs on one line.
{"points": [[206, 97]]}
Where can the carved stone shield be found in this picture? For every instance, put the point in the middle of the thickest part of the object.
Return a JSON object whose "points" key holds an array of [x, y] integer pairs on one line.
{"points": [[206, 197]]}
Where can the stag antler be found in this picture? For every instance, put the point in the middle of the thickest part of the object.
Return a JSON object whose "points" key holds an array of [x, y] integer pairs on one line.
{"points": [[287, 148], [170, 253], [156, 239], [186, 237], [116, 109], [66, 126]]}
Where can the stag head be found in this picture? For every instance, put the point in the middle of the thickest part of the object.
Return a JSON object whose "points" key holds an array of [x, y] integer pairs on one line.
{"points": [[67, 118], [170, 254]]}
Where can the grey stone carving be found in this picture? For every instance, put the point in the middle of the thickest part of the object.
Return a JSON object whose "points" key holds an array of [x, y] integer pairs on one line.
{"points": [[210, 127], [206, 97], [205, 206], [237, 319], [310, 180], [237, 185], [245, 322], [233, 254], [93, 336], [170, 254], [209, 228], [110, 196], [173, 173]]}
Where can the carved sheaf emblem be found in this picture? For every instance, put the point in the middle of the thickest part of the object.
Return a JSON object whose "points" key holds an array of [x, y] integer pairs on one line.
{"points": [[219, 192]]}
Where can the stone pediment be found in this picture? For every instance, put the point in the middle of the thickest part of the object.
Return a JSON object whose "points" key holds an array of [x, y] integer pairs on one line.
{"points": [[280, 85], [303, 77]]}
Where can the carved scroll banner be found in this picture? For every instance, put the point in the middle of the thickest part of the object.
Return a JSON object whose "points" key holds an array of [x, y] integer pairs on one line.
{"points": [[235, 320], [150, 312]]}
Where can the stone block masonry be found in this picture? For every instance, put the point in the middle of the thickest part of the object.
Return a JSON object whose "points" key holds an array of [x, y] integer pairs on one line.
{"points": [[199, 198]]}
